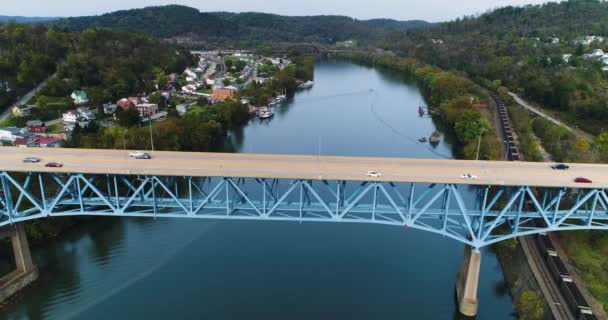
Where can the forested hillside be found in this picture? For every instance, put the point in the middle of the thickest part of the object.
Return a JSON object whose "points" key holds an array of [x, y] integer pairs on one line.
{"points": [[524, 48], [109, 63], [180, 21]]}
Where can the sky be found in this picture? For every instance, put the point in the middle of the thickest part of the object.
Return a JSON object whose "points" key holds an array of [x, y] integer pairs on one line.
{"points": [[430, 10]]}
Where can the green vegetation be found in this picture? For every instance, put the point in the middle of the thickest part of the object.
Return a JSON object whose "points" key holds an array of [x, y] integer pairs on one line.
{"points": [[529, 306], [451, 96], [513, 44], [588, 250], [244, 29], [28, 55], [202, 130]]}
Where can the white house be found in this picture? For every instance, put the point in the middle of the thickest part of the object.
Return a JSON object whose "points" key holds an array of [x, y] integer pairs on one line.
{"points": [[70, 116], [11, 133], [86, 114], [566, 58]]}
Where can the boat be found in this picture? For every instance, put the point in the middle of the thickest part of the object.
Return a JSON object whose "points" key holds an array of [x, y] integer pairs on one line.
{"points": [[435, 137], [421, 110], [306, 85], [423, 139], [265, 113], [281, 97]]}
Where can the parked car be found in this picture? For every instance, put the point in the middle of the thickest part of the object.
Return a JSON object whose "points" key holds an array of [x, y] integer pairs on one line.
{"points": [[374, 174], [582, 180], [468, 176], [560, 166], [54, 165], [31, 160]]}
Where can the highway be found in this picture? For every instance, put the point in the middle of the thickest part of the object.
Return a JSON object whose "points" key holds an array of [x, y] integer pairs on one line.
{"points": [[303, 167]]}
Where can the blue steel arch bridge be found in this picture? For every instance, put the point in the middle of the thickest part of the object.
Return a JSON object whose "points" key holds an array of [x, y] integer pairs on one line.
{"points": [[477, 215], [475, 202]]}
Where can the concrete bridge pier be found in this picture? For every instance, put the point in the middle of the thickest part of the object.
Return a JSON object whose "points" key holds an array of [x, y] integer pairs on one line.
{"points": [[467, 282], [26, 272]]}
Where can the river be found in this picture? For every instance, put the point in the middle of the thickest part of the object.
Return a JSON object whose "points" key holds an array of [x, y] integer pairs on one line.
{"points": [[191, 269]]}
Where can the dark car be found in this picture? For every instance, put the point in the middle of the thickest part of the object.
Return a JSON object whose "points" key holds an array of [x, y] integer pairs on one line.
{"points": [[54, 165], [582, 180], [560, 166]]}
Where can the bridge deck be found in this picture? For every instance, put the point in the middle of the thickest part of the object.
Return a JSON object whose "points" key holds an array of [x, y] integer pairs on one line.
{"points": [[303, 167]]}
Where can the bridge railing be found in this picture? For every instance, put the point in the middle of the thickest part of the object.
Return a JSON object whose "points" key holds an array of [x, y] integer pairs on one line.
{"points": [[477, 216]]}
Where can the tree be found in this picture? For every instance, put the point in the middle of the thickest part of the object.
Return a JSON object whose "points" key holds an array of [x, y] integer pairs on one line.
{"points": [[529, 306], [128, 118], [42, 102]]}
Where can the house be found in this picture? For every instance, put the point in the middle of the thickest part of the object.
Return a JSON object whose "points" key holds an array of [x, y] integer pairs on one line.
{"points": [[221, 94], [80, 97], [566, 58], [22, 111], [86, 114], [10, 134], [554, 41], [597, 53], [48, 142], [182, 108], [36, 126], [147, 109], [189, 88], [71, 116], [588, 40], [24, 143], [109, 108]]}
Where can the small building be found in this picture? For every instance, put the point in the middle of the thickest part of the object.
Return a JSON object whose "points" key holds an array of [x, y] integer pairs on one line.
{"points": [[147, 109], [48, 142], [22, 111], [80, 97], [109, 108], [182, 108], [221, 94], [70, 116], [24, 143], [86, 114], [36, 126], [10, 134]]}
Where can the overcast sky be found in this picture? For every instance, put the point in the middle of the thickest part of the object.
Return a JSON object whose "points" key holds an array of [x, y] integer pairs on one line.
{"points": [[430, 10]]}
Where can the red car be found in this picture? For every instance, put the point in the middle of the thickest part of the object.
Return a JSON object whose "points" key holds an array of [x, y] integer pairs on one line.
{"points": [[582, 180], [54, 165]]}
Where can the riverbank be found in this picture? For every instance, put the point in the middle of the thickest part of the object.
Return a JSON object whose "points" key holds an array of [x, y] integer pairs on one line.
{"points": [[456, 100]]}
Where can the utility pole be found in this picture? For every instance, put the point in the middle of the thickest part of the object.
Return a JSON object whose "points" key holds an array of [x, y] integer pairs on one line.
{"points": [[151, 137], [479, 143], [124, 143]]}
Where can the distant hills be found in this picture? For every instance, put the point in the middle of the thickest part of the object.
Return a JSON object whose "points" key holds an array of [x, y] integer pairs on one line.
{"points": [[26, 19], [175, 21]]}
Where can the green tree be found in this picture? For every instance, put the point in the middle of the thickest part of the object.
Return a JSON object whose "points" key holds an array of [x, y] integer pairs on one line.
{"points": [[128, 118], [529, 306]]}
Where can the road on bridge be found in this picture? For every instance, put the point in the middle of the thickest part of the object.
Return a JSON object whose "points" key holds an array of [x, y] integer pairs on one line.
{"points": [[304, 167]]}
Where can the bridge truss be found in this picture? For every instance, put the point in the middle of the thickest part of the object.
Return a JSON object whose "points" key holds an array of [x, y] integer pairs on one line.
{"points": [[474, 215]]}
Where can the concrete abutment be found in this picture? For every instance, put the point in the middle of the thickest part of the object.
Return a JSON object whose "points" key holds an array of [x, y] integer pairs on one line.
{"points": [[26, 272]]}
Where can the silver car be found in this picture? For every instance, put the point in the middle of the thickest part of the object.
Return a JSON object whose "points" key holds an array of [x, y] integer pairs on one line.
{"points": [[31, 160]]}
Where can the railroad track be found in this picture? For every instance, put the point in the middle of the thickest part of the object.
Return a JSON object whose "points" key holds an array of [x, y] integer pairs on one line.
{"points": [[557, 304]]}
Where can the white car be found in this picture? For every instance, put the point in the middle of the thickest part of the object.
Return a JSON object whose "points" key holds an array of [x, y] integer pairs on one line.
{"points": [[136, 154], [468, 176], [374, 174]]}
